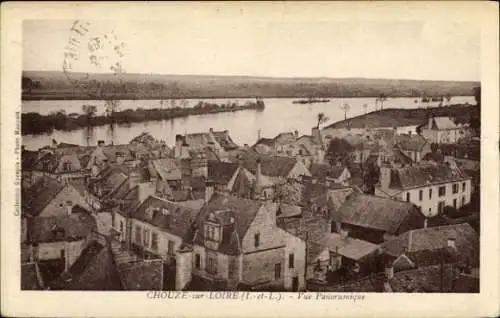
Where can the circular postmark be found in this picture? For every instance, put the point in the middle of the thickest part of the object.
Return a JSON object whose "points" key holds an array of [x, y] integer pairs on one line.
{"points": [[91, 52]]}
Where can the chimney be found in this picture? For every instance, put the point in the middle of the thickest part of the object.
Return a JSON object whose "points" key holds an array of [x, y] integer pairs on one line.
{"points": [[134, 179], [184, 264], [209, 191], [338, 227], [425, 223], [296, 134], [179, 140], [211, 130], [54, 143], [100, 143], [258, 177], [452, 243]]}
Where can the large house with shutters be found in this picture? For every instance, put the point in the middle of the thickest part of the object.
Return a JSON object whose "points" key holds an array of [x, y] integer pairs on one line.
{"points": [[236, 244], [430, 186]]}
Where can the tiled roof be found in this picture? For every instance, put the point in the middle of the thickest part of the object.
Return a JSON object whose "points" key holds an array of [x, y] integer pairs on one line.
{"points": [[415, 243], [38, 196], [272, 166], [442, 123], [167, 168], [224, 207], [424, 174], [347, 246], [221, 172], [29, 277], [410, 142], [142, 275], [223, 138], [176, 220], [72, 227], [375, 212]]}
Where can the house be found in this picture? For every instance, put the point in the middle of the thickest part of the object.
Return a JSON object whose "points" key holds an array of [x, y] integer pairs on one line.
{"points": [[375, 219], [443, 130], [431, 186], [49, 197], [236, 244], [166, 173], [334, 252], [222, 174], [158, 227], [307, 148], [412, 145], [323, 172], [218, 143], [457, 243], [60, 239]]}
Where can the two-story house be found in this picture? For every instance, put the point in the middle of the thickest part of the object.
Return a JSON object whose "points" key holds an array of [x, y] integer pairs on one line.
{"points": [[443, 130], [431, 186], [236, 244]]}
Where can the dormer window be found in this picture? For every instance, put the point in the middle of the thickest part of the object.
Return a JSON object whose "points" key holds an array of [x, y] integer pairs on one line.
{"points": [[257, 239], [212, 232]]}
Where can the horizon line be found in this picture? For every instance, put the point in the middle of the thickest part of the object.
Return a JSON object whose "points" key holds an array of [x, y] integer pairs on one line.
{"points": [[263, 76]]}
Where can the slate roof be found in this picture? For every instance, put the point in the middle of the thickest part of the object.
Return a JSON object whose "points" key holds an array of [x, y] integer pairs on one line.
{"points": [[199, 140], [348, 247], [425, 245], [167, 169], [73, 227], [221, 172], [443, 123], [50, 161], [177, 222], [424, 174], [224, 207], [322, 170], [410, 142], [375, 212], [272, 166], [141, 275], [38, 196], [223, 138]]}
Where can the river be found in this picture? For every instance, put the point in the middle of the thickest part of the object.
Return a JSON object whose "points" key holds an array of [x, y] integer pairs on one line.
{"points": [[280, 115]]}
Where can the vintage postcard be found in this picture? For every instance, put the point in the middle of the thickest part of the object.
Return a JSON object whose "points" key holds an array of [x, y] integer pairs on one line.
{"points": [[295, 159]]}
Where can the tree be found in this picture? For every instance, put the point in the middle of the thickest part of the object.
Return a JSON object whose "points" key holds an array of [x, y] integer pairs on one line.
{"points": [[339, 150], [371, 174], [448, 98], [345, 108], [321, 119], [89, 111], [382, 98]]}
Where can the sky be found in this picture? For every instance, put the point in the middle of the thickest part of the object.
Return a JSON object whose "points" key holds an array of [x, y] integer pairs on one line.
{"points": [[429, 50]]}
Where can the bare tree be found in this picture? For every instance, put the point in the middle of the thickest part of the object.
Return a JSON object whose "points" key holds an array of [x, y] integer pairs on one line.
{"points": [[321, 119], [89, 111], [345, 108], [382, 98]]}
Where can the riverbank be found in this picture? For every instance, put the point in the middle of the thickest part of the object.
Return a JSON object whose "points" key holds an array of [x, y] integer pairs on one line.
{"points": [[398, 117], [34, 123]]}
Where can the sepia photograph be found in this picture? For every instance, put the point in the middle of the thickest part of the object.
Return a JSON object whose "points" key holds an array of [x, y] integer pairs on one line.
{"points": [[246, 156]]}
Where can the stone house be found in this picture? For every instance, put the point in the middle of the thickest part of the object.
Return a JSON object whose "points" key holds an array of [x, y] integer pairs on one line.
{"points": [[431, 186], [236, 244], [413, 146], [443, 130]]}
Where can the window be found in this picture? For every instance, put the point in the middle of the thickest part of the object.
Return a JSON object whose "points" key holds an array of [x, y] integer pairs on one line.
{"points": [[113, 220], [430, 194], [256, 239], [420, 195], [138, 238], [277, 271], [442, 191], [170, 247], [463, 186], [197, 261], [291, 261], [455, 188], [212, 263], [455, 203], [212, 233], [440, 207], [408, 196], [154, 241], [463, 201], [121, 226], [145, 237]]}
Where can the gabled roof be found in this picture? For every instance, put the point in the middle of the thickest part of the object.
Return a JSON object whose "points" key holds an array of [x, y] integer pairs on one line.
{"points": [[443, 123], [225, 207], [410, 142], [72, 227], [167, 169], [221, 172], [272, 166], [348, 247], [424, 174], [223, 138], [166, 215], [429, 242], [375, 213], [199, 140], [38, 196]]}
